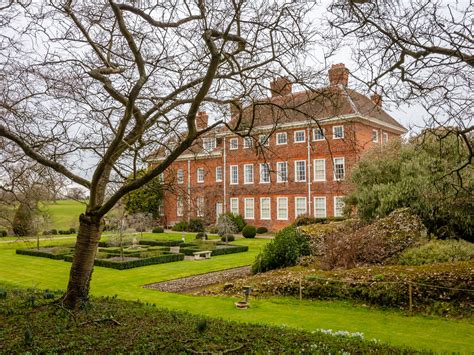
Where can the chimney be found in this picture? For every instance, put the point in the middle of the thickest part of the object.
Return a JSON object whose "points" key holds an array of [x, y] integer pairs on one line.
{"points": [[377, 99], [280, 86], [338, 74], [235, 107], [201, 120]]}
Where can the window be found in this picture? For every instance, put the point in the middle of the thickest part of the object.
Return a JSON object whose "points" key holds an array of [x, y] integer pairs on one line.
{"points": [[234, 206], [282, 208], [320, 207], [339, 171], [200, 175], [265, 209], [319, 169], [179, 206], [318, 134], [234, 174], [248, 142], [300, 170], [208, 144], [264, 139], [264, 173], [282, 171], [337, 132], [300, 206], [248, 174], [282, 138], [180, 176], [375, 135], [249, 208], [234, 143], [200, 206], [218, 173], [161, 208], [338, 206], [385, 137], [300, 136]]}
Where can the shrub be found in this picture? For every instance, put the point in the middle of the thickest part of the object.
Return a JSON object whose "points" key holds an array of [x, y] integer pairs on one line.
{"points": [[122, 265], [249, 231], [230, 249], [158, 230], [72, 230], [165, 243], [196, 225], [438, 251], [140, 229], [238, 220], [201, 236], [262, 230], [212, 229], [289, 244], [53, 232], [43, 254], [180, 226], [228, 238], [3, 233]]}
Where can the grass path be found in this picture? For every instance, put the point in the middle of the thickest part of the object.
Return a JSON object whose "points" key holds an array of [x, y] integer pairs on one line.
{"points": [[392, 327]]}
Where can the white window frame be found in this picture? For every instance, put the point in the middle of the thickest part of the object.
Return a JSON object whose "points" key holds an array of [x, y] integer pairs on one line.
{"points": [[314, 169], [385, 137], [248, 143], [219, 175], [301, 198], [279, 216], [279, 178], [325, 206], [335, 205], [297, 179], [246, 180], [200, 204], [323, 130], [375, 138], [334, 130], [246, 201], [180, 206], [233, 143], [264, 139], [269, 217], [180, 176], [281, 134], [231, 174], [198, 175], [234, 209], [343, 167], [304, 136], [211, 142], [261, 173]]}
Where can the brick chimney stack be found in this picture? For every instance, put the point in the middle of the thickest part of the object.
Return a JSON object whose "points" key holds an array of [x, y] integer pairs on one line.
{"points": [[281, 86], [377, 99], [338, 74], [201, 120]]}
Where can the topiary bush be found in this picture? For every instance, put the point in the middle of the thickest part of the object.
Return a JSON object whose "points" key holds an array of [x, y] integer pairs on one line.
{"points": [[158, 230], [438, 251], [285, 250], [262, 230], [180, 226], [196, 225], [201, 236], [249, 231], [228, 238]]}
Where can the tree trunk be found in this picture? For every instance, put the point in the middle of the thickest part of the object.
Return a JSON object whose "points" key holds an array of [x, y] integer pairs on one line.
{"points": [[87, 241]]}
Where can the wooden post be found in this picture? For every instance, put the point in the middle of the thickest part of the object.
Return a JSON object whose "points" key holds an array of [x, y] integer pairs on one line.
{"points": [[410, 297], [301, 289]]}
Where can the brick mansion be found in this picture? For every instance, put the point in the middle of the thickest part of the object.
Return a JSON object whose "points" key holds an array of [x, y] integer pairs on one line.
{"points": [[293, 157]]}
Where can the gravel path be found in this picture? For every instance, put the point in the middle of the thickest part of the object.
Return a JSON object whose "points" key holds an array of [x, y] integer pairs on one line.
{"points": [[187, 284]]}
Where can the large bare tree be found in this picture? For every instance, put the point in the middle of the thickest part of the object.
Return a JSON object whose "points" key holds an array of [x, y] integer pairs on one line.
{"points": [[89, 89]]}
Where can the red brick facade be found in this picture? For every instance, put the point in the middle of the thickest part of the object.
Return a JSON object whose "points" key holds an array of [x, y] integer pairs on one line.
{"points": [[312, 186]]}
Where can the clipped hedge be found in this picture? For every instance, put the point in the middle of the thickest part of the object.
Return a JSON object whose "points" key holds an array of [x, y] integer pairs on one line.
{"points": [[249, 231], [231, 249], [262, 230], [158, 230], [42, 254], [165, 243]]}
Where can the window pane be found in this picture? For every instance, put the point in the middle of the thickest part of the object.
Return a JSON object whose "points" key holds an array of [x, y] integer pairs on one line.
{"points": [[248, 171], [234, 143], [282, 203], [319, 170], [264, 173], [282, 138], [338, 206], [265, 208], [282, 172], [339, 169], [234, 205], [300, 170], [249, 208], [219, 173], [300, 206], [318, 134], [299, 136], [320, 207], [234, 174]]}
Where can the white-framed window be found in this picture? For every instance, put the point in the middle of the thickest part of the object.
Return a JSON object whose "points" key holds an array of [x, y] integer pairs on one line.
{"points": [[249, 210], [180, 176], [264, 139], [318, 134], [282, 171], [281, 138], [385, 137], [339, 169], [264, 173], [300, 136], [248, 174], [234, 174], [200, 175], [179, 206], [300, 170], [265, 208], [375, 135], [234, 205], [209, 144], [319, 169], [338, 206], [161, 208], [300, 206], [248, 143], [320, 207], [234, 143], [282, 208], [337, 132], [200, 206], [218, 173]]}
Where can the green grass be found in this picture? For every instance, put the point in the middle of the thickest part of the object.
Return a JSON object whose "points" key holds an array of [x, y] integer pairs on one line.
{"points": [[64, 214], [419, 332]]}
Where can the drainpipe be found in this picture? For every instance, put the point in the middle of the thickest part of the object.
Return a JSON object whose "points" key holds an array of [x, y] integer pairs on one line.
{"points": [[224, 168], [189, 189], [309, 169]]}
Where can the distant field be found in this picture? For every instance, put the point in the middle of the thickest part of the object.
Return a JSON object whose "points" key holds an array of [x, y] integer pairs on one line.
{"points": [[64, 214]]}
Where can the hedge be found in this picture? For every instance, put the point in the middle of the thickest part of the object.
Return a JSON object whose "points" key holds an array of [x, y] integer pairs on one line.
{"points": [[42, 254], [231, 249], [123, 265], [166, 243]]}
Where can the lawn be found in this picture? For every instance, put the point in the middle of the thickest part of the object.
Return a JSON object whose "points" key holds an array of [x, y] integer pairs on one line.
{"points": [[64, 214], [395, 328]]}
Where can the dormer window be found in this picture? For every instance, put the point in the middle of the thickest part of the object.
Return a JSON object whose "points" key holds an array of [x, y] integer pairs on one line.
{"points": [[209, 144], [300, 136], [264, 139], [247, 142], [338, 132], [318, 134]]}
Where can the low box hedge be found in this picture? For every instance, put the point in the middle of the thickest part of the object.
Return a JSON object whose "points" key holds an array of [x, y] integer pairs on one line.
{"points": [[167, 243], [231, 249], [42, 254], [123, 265]]}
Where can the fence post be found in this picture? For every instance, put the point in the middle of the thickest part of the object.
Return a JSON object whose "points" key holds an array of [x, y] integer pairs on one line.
{"points": [[410, 297]]}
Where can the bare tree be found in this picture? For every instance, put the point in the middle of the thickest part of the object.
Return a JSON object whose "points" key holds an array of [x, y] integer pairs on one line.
{"points": [[102, 85]]}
